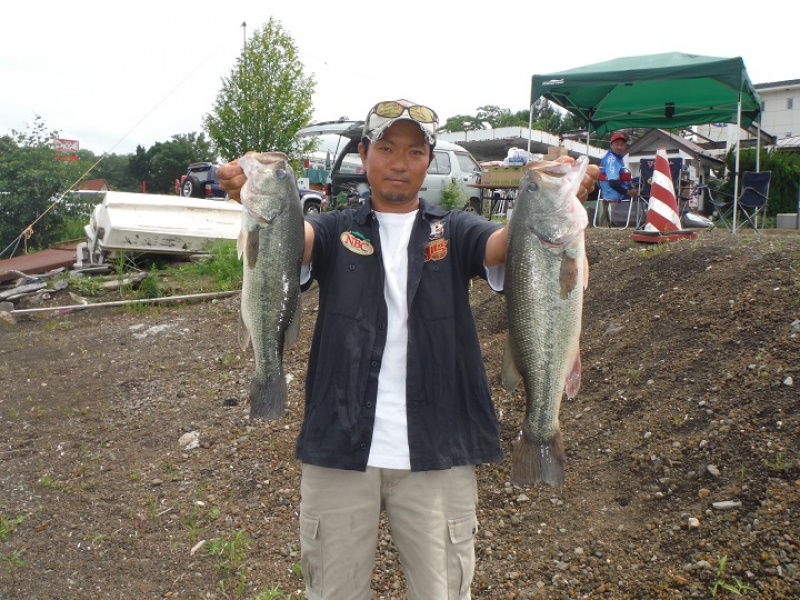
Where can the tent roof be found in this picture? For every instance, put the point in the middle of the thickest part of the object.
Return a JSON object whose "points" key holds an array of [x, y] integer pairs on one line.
{"points": [[659, 91]]}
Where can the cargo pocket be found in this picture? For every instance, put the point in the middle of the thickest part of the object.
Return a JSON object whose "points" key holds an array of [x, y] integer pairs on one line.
{"points": [[311, 555], [461, 556]]}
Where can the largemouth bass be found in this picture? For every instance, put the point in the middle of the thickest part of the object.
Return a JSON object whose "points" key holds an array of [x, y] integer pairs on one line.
{"points": [[546, 273], [271, 245]]}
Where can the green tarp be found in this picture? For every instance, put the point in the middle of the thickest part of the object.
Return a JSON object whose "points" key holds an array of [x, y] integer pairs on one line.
{"points": [[664, 91]]}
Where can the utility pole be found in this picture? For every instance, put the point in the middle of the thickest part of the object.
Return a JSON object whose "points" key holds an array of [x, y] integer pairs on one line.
{"points": [[244, 34]]}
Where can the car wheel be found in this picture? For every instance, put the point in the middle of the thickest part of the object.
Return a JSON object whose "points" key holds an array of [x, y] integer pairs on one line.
{"points": [[312, 207], [191, 188]]}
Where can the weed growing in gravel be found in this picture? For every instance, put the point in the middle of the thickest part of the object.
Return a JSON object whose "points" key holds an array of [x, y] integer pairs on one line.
{"points": [[56, 325], [777, 464], [12, 561], [230, 554], [8, 525], [276, 594], [653, 250], [87, 286], [149, 286], [737, 587], [152, 506]]}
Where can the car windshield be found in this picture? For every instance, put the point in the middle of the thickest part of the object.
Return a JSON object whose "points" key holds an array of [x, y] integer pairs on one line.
{"points": [[440, 165], [467, 162], [351, 163]]}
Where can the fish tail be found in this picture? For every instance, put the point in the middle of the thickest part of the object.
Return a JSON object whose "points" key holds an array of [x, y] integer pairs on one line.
{"points": [[538, 460], [268, 398]]}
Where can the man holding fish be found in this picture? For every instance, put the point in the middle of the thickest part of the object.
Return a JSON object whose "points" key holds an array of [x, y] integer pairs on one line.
{"points": [[398, 408]]}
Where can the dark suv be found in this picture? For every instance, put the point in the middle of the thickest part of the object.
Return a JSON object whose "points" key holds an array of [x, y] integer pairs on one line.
{"points": [[200, 181]]}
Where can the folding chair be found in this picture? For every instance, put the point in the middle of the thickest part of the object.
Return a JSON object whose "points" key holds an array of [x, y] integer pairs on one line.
{"points": [[723, 206], [615, 209], [753, 199]]}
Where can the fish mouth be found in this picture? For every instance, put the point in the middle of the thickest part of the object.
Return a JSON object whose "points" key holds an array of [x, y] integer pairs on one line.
{"points": [[270, 158]]}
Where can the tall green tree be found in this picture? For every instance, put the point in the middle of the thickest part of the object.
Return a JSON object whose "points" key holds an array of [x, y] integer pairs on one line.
{"points": [[461, 123], [266, 99], [115, 169], [546, 117], [168, 160], [31, 179]]}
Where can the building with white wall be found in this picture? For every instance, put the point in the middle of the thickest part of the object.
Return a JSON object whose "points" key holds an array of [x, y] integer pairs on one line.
{"points": [[780, 117]]}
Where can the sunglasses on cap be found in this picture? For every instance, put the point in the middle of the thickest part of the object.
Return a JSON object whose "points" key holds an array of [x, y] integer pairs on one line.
{"points": [[392, 109]]}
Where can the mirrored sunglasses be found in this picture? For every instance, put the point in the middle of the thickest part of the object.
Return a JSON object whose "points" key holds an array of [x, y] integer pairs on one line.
{"points": [[392, 109]]}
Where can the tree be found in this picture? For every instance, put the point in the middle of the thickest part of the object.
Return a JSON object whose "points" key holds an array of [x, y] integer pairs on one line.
{"points": [[461, 123], [546, 117], [168, 160], [115, 169], [31, 179], [265, 101]]}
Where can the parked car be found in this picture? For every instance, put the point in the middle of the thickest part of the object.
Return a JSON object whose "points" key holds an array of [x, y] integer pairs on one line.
{"points": [[201, 181], [450, 162], [312, 200]]}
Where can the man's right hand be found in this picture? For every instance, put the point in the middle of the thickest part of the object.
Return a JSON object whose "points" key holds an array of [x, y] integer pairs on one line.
{"points": [[231, 179]]}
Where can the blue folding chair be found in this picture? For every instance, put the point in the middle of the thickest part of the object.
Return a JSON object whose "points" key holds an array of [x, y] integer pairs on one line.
{"points": [[723, 206], [753, 199]]}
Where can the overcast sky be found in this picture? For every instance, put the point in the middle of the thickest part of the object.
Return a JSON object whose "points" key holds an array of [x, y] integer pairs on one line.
{"points": [[115, 75]]}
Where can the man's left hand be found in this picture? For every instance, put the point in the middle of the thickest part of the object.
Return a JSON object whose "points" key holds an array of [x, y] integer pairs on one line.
{"points": [[589, 182]]}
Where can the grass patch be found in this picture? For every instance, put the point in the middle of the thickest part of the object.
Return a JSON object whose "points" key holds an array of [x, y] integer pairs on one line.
{"points": [[221, 269]]}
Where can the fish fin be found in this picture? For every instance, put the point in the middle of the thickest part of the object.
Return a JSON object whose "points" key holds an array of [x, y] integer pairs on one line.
{"points": [[240, 244], [568, 274], [244, 333], [268, 398], [538, 460], [251, 243], [510, 375], [293, 331], [573, 382]]}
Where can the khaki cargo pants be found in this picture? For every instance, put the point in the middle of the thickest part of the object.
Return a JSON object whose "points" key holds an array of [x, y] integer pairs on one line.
{"points": [[432, 520]]}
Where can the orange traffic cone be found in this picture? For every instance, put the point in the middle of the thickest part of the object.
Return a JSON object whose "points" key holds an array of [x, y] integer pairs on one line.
{"points": [[663, 222]]}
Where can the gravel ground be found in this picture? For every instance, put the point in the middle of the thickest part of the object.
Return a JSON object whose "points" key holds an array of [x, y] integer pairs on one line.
{"points": [[683, 445]]}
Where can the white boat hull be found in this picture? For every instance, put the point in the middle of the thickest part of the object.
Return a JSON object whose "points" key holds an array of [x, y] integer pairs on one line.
{"points": [[129, 222]]}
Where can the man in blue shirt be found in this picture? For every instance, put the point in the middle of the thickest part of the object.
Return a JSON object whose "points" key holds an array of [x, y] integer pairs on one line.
{"points": [[615, 178], [398, 408]]}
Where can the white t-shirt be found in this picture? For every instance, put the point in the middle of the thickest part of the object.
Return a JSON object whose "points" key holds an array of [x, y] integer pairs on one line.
{"points": [[389, 448]]}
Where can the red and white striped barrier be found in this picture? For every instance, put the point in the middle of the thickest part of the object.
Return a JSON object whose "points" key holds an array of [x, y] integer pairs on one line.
{"points": [[663, 223]]}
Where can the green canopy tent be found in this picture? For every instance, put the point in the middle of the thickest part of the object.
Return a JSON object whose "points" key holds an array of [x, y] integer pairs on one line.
{"points": [[663, 91]]}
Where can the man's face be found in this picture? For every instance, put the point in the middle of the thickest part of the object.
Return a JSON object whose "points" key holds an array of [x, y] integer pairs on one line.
{"points": [[396, 166], [619, 146]]}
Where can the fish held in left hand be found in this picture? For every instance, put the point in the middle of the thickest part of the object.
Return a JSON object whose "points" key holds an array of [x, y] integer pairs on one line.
{"points": [[546, 273], [271, 246]]}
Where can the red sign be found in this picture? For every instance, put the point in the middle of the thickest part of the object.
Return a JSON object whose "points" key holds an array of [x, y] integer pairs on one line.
{"points": [[66, 157], [66, 145]]}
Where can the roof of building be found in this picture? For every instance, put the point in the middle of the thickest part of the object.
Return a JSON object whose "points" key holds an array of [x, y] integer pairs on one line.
{"points": [[682, 143], [777, 84], [96, 185]]}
